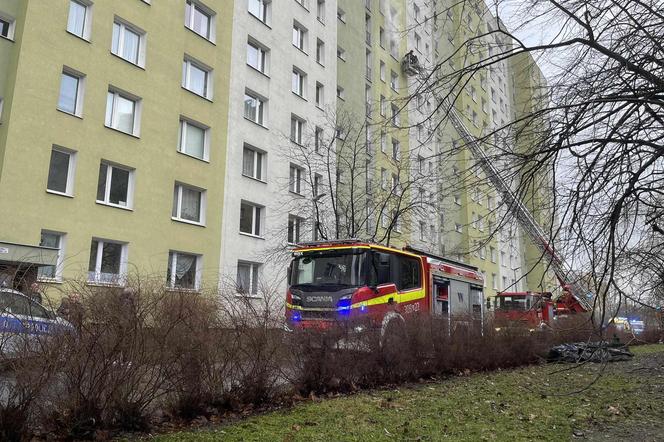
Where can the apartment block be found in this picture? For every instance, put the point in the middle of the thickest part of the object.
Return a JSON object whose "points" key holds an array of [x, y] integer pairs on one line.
{"points": [[198, 140]]}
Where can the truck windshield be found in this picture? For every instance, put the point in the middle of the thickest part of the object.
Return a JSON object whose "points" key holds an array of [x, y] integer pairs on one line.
{"points": [[511, 302], [330, 267]]}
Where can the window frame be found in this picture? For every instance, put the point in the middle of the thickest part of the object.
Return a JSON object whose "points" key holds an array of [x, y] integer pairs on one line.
{"points": [[187, 63], [122, 271], [262, 56], [264, 8], [71, 170], [301, 31], [320, 52], [193, 5], [125, 26], [257, 213], [171, 271], [295, 179], [107, 185], [112, 123], [256, 153], [58, 266], [297, 129], [254, 276], [294, 231], [87, 19], [182, 138], [298, 81], [261, 114], [179, 187], [80, 91]]}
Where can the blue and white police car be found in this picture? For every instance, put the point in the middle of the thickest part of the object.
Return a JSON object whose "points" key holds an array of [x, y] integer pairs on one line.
{"points": [[23, 322]]}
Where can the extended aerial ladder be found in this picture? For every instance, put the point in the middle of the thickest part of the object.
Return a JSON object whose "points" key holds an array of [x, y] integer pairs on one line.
{"points": [[563, 272]]}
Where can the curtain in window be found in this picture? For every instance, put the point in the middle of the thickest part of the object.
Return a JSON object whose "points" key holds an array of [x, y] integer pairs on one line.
{"points": [[248, 163], [250, 106], [68, 93], [185, 271], [194, 140], [190, 208], [76, 20], [243, 278], [197, 80], [131, 43], [124, 114]]}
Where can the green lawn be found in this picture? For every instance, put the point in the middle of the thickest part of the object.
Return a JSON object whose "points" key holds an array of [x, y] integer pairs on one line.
{"points": [[532, 403]]}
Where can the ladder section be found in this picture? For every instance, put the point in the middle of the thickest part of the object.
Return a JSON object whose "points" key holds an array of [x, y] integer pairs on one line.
{"points": [[523, 215]]}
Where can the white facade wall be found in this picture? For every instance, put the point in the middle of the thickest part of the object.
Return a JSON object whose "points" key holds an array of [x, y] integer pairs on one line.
{"points": [[268, 250]]}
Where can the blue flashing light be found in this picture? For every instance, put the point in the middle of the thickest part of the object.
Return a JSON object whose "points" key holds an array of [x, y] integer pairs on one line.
{"points": [[344, 306], [296, 316], [363, 308]]}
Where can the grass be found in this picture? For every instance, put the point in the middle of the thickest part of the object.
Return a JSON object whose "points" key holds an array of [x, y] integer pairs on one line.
{"points": [[533, 403]]}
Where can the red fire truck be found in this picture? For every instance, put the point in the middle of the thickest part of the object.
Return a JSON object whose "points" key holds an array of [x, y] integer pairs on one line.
{"points": [[534, 308], [339, 281]]}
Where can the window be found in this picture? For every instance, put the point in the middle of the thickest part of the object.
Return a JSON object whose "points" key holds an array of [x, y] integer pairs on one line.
{"points": [[254, 108], [383, 178], [458, 227], [504, 282], [260, 9], [457, 199], [55, 241], [61, 171], [316, 186], [396, 154], [128, 42], [319, 95], [188, 204], [320, 11], [297, 83], [418, 42], [483, 252], [503, 261], [494, 281], [70, 99], [340, 92], [382, 70], [250, 218], [295, 179], [395, 114], [473, 94], [381, 37], [294, 229], [247, 278], [432, 233], [409, 273], [383, 141], [422, 230], [194, 139], [78, 22], [492, 254], [299, 37], [199, 19], [383, 106], [183, 271], [197, 78], [108, 262], [297, 129], [257, 56], [341, 15], [122, 112], [320, 52], [115, 185], [318, 139], [252, 163], [394, 81]]}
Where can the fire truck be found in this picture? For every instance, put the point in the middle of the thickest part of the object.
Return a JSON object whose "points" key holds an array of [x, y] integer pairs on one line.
{"points": [[356, 282], [534, 308]]}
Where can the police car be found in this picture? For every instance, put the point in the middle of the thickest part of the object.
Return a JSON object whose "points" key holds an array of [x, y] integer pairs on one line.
{"points": [[23, 322]]}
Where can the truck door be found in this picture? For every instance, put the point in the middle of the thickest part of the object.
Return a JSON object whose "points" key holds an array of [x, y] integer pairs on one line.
{"points": [[459, 298]]}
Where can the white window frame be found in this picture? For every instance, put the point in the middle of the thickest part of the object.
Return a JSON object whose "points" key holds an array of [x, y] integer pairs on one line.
{"points": [[341, 53], [107, 186], [178, 208], [254, 270], [87, 20], [71, 171], [458, 228], [298, 223], [262, 56], [320, 52], [80, 91], [297, 129], [59, 263], [394, 81], [255, 232], [182, 137], [172, 266], [295, 179], [261, 108], [299, 39], [94, 278], [264, 7], [205, 10], [112, 122], [320, 95], [11, 26], [255, 154], [187, 64], [125, 26], [320, 11], [298, 82]]}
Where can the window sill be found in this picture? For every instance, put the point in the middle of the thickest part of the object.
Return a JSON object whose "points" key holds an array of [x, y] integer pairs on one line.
{"points": [[186, 221], [299, 96], [259, 71], [197, 94], [103, 284], [56, 280], [299, 195], [244, 296], [122, 132], [55, 192], [115, 206], [251, 235], [2, 37], [321, 21], [301, 50], [128, 61], [320, 64], [182, 290], [200, 36], [204, 160], [79, 116], [254, 179], [257, 124], [259, 20]]}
